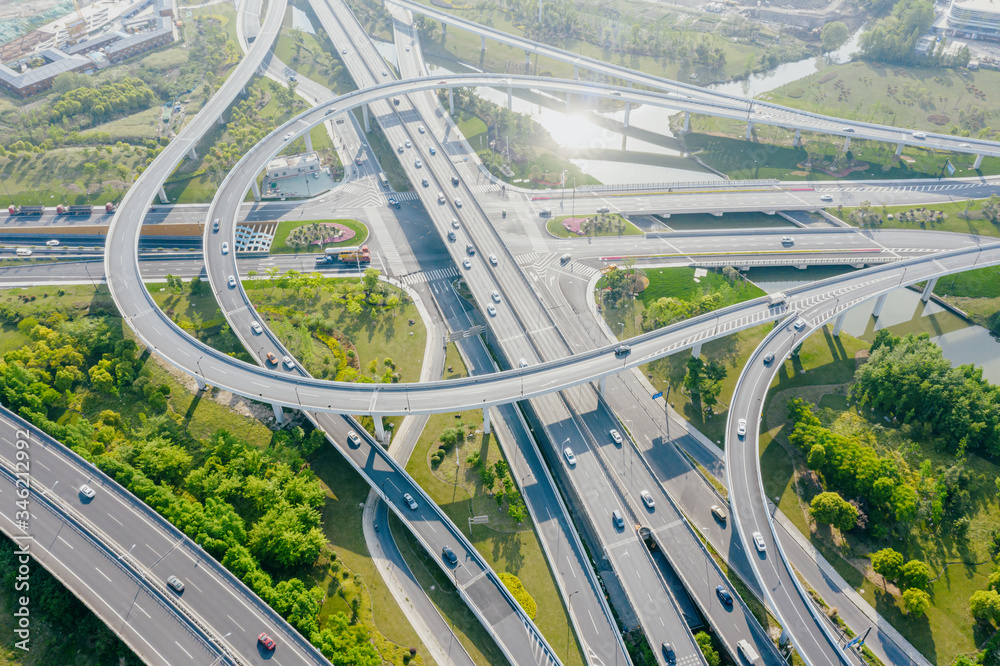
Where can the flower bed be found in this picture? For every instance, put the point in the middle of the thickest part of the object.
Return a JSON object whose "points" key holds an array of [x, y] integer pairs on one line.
{"points": [[319, 234], [573, 225]]}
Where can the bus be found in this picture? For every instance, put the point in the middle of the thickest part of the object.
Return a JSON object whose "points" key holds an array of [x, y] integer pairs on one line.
{"points": [[382, 179]]}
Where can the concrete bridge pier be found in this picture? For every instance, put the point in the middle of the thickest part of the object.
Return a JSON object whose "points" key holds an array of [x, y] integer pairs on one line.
{"points": [[798, 138], [256, 190], [486, 420], [309, 141], [899, 149], [749, 129], [482, 42], [379, 428], [847, 144], [451, 101], [368, 127], [928, 290], [192, 155], [696, 350], [979, 160], [838, 323], [879, 302], [602, 384], [200, 382], [527, 62], [687, 122], [220, 120], [628, 110], [279, 413], [576, 72], [163, 195], [510, 98]]}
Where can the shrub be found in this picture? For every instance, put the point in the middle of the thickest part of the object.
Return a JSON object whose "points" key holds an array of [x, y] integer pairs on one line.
{"points": [[516, 588]]}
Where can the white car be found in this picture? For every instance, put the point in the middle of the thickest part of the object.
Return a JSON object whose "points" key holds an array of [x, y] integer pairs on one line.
{"points": [[289, 363], [467, 264], [491, 310], [225, 248], [454, 223], [800, 324], [647, 499], [408, 144], [493, 259], [410, 502], [826, 197], [255, 326], [431, 150], [353, 438], [458, 203], [420, 128], [88, 492], [232, 281], [407, 49], [570, 456], [418, 164], [523, 363], [741, 428], [919, 135], [787, 240], [288, 136], [344, 51], [496, 296], [965, 145], [52, 243], [385, 73], [758, 542], [616, 436]]}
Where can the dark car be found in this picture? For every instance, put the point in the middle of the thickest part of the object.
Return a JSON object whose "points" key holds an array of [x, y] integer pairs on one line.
{"points": [[623, 350], [724, 595], [266, 641], [449, 555], [454, 180], [668, 652]]}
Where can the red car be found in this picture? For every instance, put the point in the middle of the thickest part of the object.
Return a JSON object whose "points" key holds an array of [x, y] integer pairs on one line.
{"points": [[266, 641]]}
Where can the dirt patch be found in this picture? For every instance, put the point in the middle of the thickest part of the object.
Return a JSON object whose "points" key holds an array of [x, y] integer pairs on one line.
{"points": [[938, 119], [829, 76]]}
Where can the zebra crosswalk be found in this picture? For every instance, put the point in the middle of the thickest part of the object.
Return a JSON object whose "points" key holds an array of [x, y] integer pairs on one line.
{"points": [[911, 188], [540, 262], [429, 276]]}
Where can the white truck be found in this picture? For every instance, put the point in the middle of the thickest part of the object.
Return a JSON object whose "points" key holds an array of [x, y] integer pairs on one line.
{"points": [[778, 298]]}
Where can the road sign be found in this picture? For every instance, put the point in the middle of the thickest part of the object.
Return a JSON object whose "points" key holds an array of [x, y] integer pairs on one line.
{"points": [[458, 335], [479, 520], [657, 395], [950, 167]]}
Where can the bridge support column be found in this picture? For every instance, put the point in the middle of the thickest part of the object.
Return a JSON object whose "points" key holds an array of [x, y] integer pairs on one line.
{"points": [[687, 122], [576, 72], [879, 302], [379, 428], [696, 350], [220, 120], [163, 195], [838, 323], [628, 110], [847, 143], [256, 190], [309, 141], [899, 149], [798, 138], [928, 290], [451, 101], [279, 413], [368, 127], [979, 160], [527, 63], [482, 42], [486, 420], [602, 384], [510, 98], [192, 154], [749, 130], [200, 382]]}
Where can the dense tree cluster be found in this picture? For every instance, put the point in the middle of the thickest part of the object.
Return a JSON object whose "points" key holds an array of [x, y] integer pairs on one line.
{"points": [[256, 510], [704, 380], [893, 39], [910, 379], [913, 577], [113, 98]]}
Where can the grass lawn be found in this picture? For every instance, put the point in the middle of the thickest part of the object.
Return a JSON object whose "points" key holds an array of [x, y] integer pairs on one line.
{"points": [[611, 224], [388, 158], [278, 246], [455, 485], [978, 283], [682, 25], [963, 217], [312, 56], [57, 176], [709, 222]]}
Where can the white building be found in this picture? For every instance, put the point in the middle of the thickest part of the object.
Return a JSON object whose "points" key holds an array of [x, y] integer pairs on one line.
{"points": [[288, 166], [975, 18]]}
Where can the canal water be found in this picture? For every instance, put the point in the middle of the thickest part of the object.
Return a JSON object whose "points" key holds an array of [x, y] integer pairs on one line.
{"points": [[902, 313]]}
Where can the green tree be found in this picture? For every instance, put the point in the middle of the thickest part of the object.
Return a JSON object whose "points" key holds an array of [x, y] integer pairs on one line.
{"points": [[916, 602], [370, 280], [287, 536], [915, 574], [832, 509], [985, 606], [887, 563], [991, 208], [711, 655], [817, 457], [195, 286], [834, 34]]}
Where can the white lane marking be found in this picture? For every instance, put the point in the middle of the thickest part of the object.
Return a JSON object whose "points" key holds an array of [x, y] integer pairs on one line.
{"points": [[236, 623], [66, 542], [116, 520], [572, 569], [143, 611], [183, 650], [194, 586], [153, 549], [39, 462], [102, 573]]}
